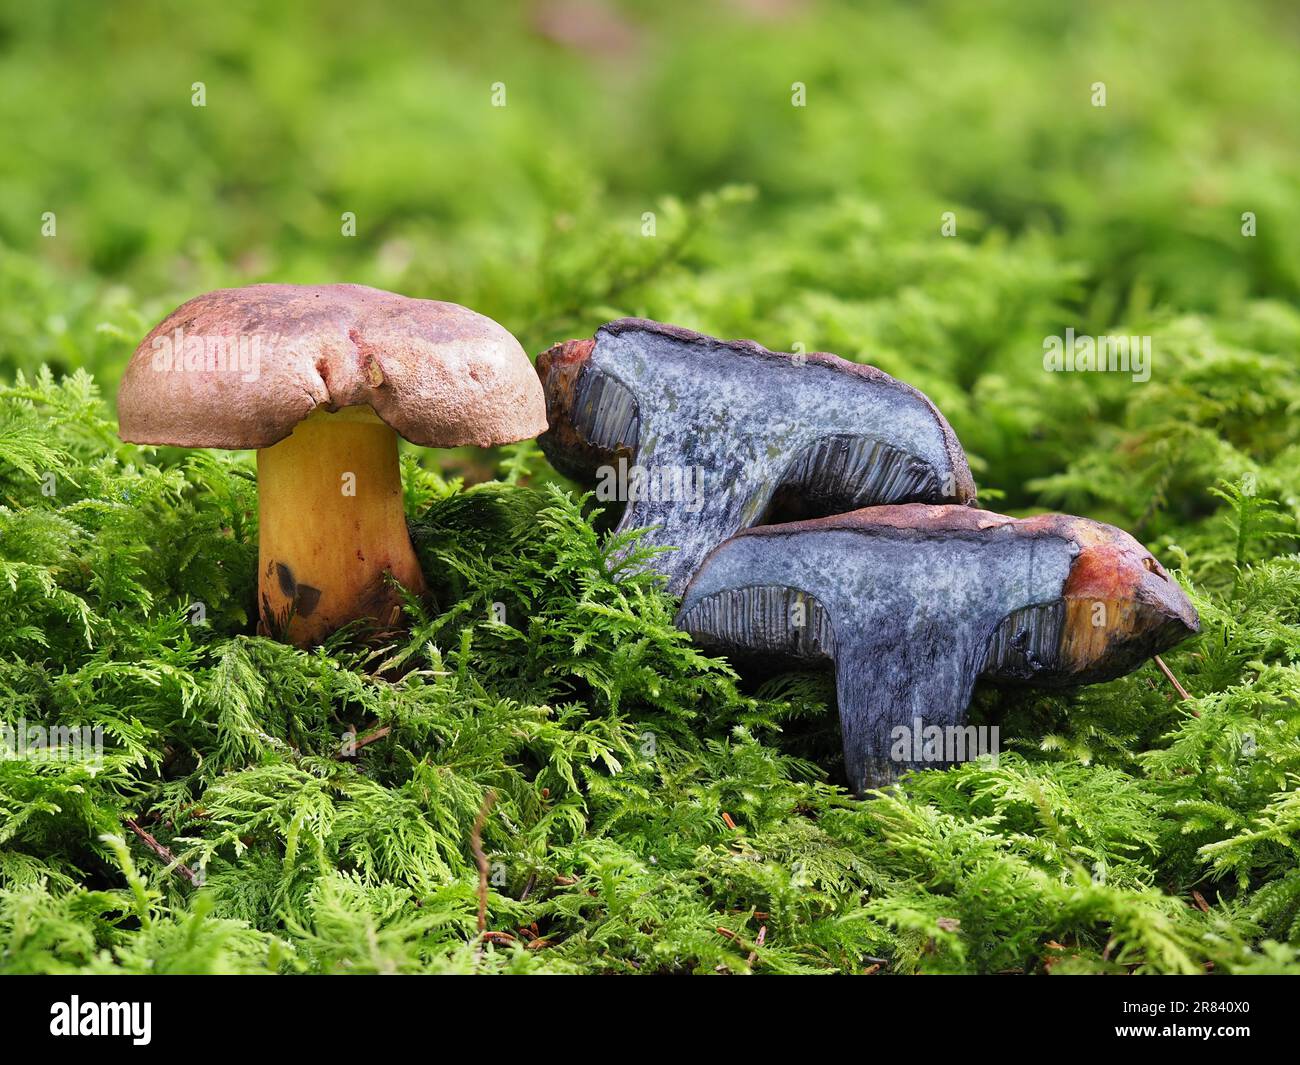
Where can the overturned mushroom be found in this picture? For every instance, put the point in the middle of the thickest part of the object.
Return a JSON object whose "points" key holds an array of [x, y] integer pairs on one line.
{"points": [[914, 602], [699, 435], [322, 379]]}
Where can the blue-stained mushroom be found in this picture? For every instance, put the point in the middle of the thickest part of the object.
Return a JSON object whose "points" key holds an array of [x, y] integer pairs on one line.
{"points": [[700, 437], [914, 603]]}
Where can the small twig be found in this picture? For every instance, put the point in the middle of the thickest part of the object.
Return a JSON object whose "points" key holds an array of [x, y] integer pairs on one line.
{"points": [[1169, 676], [349, 750], [370, 737], [476, 845], [162, 852], [735, 937]]}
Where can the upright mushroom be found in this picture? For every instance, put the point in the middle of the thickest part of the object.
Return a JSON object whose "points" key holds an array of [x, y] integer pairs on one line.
{"points": [[701, 435], [322, 379], [913, 603]]}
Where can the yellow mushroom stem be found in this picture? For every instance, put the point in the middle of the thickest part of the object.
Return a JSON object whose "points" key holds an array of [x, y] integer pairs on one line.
{"points": [[332, 528]]}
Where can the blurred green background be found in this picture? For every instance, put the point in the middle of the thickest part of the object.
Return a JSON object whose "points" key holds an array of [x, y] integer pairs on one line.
{"points": [[815, 225]]}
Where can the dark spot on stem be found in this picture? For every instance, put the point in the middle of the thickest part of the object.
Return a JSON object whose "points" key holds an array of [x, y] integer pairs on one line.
{"points": [[285, 576], [307, 600]]}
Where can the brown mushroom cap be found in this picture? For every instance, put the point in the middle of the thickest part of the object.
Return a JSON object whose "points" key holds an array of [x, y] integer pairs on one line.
{"points": [[439, 374]]}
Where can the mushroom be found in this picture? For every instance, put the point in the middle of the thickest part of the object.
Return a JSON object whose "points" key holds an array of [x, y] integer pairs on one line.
{"points": [[322, 379], [704, 437], [913, 603]]}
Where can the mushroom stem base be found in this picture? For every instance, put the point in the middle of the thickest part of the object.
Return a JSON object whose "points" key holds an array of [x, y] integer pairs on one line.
{"points": [[332, 528]]}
